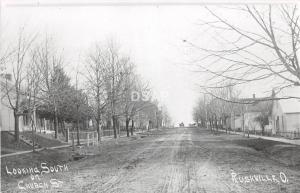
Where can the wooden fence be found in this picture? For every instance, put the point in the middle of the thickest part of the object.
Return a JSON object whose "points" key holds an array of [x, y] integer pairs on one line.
{"points": [[85, 137]]}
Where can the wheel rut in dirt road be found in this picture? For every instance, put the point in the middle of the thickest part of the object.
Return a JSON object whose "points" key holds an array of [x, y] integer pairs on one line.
{"points": [[185, 165], [137, 167]]}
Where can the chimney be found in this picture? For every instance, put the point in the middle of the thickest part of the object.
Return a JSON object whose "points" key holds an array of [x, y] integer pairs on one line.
{"points": [[254, 96], [8, 77], [273, 93]]}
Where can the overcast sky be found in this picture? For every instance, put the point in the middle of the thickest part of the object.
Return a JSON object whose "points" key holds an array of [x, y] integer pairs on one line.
{"points": [[151, 35]]}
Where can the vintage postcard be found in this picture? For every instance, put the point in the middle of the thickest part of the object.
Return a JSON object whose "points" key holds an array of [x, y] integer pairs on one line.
{"points": [[150, 96]]}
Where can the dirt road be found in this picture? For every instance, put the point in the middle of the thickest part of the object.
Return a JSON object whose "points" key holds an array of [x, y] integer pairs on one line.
{"points": [[174, 160]]}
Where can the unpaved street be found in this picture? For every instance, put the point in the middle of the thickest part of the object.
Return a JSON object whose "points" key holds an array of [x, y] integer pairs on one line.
{"points": [[174, 160]]}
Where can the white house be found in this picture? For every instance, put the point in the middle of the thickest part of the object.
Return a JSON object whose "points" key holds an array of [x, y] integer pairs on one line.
{"points": [[245, 117], [286, 113], [7, 120]]}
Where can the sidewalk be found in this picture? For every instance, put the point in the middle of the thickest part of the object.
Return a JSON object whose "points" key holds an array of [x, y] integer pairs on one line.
{"points": [[284, 140], [30, 151]]}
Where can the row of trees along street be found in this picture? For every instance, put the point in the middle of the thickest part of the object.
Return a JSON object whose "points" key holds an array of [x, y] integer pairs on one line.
{"points": [[238, 55], [215, 110], [102, 92]]}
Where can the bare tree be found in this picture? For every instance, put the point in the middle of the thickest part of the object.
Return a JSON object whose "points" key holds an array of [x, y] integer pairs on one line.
{"points": [[77, 103], [51, 87], [14, 90], [32, 101], [266, 48], [106, 70], [114, 79], [166, 118], [220, 104], [133, 98], [129, 88], [265, 109], [96, 68], [199, 112], [82, 108]]}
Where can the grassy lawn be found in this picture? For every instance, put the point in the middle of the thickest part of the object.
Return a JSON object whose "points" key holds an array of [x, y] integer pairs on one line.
{"points": [[8, 144], [41, 140], [286, 154]]}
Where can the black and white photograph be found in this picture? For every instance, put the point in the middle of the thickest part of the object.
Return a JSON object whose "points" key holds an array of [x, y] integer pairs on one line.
{"points": [[150, 96]]}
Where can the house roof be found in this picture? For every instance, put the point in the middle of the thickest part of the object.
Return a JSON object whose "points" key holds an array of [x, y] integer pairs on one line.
{"points": [[260, 106], [291, 105]]}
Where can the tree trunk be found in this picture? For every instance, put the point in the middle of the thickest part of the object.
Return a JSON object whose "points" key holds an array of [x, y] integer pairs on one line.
{"points": [[17, 131], [127, 126], [220, 123], [114, 126], [216, 123], [63, 124], [55, 124], [32, 131], [149, 125], [132, 125], [262, 129], [118, 127], [63, 127], [77, 125], [224, 124], [98, 129]]}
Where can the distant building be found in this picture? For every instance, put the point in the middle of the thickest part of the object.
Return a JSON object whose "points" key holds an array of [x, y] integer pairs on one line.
{"points": [[285, 116], [282, 111], [245, 118]]}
